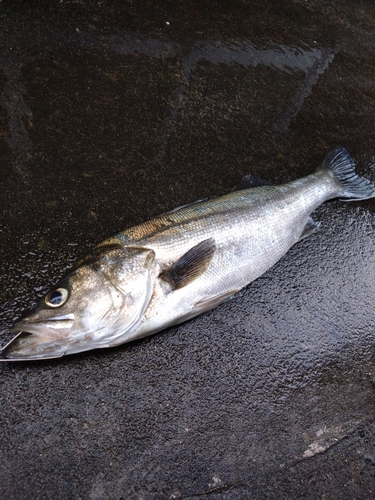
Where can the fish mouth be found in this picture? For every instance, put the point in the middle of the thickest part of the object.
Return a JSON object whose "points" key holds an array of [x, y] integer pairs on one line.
{"points": [[37, 340], [12, 351]]}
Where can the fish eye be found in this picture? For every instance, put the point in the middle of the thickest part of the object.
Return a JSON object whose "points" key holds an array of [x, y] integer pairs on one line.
{"points": [[57, 297]]}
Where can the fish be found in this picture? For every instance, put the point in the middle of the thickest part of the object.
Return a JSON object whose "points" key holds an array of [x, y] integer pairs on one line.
{"points": [[180, 264]]}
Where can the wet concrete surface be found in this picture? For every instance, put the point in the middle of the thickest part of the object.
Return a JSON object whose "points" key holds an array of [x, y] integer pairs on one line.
{"points": [[112, 112]]}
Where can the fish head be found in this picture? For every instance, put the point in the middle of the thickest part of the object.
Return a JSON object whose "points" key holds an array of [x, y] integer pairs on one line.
{"points": [[98, 304]]}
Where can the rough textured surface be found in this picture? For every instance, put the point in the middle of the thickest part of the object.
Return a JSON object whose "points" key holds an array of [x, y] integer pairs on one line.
{"points": [[112, 112]]}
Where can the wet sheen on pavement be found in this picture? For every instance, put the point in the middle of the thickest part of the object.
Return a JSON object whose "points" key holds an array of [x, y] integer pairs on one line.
{"points": [[113, 112]]}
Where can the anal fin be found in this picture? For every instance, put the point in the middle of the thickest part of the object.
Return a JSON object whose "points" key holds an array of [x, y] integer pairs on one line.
{"points": [[310, 227], [191, 265]]}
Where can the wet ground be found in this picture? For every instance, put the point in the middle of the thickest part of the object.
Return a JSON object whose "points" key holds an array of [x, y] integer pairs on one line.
{"points": [[112, 112]]}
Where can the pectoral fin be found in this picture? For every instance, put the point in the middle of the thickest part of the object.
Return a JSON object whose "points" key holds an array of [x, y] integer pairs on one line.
{"points": [[191, 265]]}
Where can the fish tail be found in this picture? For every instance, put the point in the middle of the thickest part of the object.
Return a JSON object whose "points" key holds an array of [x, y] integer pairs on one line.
{"points": [[351, 186]]}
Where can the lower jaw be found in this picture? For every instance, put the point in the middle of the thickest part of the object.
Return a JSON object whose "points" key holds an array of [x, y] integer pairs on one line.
{"points": [[26, 346]]}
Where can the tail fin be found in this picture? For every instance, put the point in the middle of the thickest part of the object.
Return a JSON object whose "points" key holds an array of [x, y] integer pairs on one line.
{"points": [[342, 167]]}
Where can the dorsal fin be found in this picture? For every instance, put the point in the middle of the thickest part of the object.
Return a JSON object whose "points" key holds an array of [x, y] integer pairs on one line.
{"points": [[250, 181], [184, 206]]}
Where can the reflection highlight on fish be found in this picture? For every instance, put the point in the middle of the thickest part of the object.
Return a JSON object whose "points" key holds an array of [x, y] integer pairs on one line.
{"points": [[180, 264]]}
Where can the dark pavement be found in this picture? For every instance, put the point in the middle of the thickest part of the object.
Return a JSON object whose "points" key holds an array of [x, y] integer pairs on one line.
{"points": [[112, 112]]}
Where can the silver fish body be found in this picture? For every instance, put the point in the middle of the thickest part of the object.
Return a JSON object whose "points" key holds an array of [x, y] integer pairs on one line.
{"points": [[180, 264], [252, 230]]}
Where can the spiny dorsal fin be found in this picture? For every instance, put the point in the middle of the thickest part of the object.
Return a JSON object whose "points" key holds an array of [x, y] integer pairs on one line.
{"points": [[250, 181], [191, 265], [184, 206]]}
